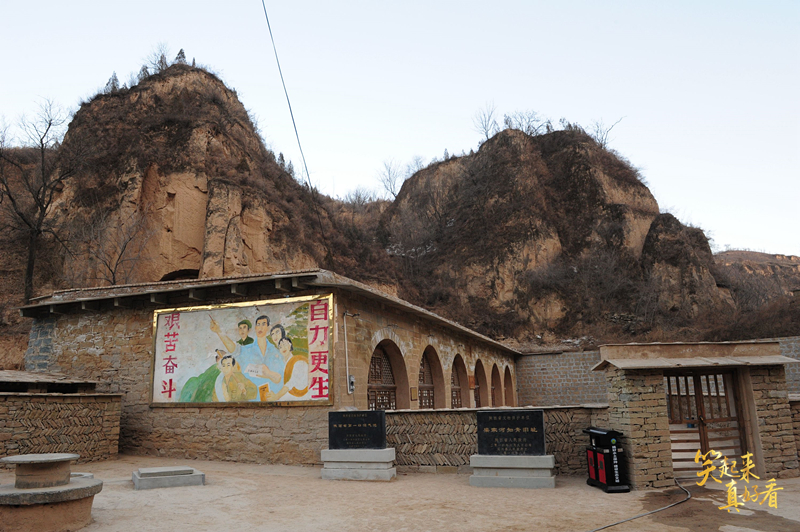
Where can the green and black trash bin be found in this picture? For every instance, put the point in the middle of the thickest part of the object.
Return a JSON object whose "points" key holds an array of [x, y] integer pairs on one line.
{"points": [[606, 466]]}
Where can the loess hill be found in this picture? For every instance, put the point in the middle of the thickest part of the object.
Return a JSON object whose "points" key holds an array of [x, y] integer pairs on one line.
{"points": [[531, 239]]}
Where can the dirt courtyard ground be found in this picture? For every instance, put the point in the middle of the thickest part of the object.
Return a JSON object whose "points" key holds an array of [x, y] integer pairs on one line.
{"points": [[251, 497]]}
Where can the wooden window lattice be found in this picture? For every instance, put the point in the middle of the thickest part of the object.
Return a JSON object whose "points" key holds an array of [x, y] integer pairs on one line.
{"points": [[381, 389], [455, 389], [425, 383]]}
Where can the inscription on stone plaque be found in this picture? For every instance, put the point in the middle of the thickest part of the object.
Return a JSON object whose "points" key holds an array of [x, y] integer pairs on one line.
{"points": [[511, 432], [361, 429]]}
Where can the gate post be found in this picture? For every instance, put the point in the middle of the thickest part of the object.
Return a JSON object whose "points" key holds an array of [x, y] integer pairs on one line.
{"points": [[637, 407]]}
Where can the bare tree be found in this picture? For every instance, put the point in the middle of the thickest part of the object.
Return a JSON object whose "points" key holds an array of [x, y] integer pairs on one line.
{"points": [[358, 198], [484, 121], [390, 178], [416, 164], [115, 243], [157, 60], [526, 121], [32, 173], [599, 132]]}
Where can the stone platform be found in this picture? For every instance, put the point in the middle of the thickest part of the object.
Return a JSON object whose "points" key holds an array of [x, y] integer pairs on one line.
{"points": [[46, 496], [494, 471], [146, 478], [359, 464]]}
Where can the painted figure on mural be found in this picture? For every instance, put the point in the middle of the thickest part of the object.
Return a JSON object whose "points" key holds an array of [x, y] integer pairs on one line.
{"points": [[258, 359], [235, 386], [243, 328], [295, 374]]}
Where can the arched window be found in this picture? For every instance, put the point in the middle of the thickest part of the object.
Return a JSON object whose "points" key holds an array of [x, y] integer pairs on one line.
{"points": [[509, 387], [497, 387], [455, 389], [426, 395], [482, 397], [381, 388], [459, 384]]}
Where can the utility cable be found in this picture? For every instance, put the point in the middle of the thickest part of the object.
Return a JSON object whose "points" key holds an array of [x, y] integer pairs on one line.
{"points": [[688, 496], [297, 135]]}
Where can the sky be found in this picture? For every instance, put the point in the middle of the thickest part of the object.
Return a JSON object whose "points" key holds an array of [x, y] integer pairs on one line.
{"points": [[707, 91]]}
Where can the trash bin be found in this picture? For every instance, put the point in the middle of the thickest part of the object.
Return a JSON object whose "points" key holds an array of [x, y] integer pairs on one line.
{"points": [[604, 460]]}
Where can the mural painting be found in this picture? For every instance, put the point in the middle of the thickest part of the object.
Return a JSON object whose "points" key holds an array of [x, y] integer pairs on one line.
{"points": [[273, 351]]}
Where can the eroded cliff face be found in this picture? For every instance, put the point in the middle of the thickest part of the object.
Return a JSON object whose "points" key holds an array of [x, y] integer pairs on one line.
{"points": [[529, 230], [179, 185], [678, 264]]}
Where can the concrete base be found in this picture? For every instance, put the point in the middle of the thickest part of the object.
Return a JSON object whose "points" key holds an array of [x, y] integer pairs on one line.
{"points": [[358, 464], [490, 471], [146, 479]]}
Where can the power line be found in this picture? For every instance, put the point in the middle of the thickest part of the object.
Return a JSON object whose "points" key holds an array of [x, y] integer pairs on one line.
{"points": [[297, 135]]}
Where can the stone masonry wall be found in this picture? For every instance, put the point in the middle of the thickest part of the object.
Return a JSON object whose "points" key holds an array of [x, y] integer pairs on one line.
{"points": [[638, 409], [790, 347], [430, 440], [794, 404], [775, 421], [560, 379], [60, 423], [115, 348]]}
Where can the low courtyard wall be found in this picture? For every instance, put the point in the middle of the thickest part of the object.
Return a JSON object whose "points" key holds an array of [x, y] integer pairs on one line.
{"points": [[86, 424], [560, 379], [443, 440], [794, 404]]}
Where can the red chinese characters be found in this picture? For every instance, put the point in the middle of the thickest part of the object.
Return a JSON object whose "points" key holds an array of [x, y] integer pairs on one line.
{"points": [[318, 346], [172, 324]]}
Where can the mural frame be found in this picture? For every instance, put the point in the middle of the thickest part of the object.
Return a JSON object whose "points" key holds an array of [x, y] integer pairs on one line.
{"points": [[247, 404]]}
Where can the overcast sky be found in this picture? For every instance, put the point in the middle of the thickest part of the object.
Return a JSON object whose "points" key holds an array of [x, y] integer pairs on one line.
{"points": [[707, 91]]}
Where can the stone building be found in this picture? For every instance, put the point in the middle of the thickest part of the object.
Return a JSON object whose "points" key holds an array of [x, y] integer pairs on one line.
{"points": [[398, 356]]}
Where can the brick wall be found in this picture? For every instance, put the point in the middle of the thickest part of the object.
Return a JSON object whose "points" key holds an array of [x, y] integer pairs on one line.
{"points": [[560, 379], [775, 421], [790, 347], [637, 407], [60, 423], [429, 440]]}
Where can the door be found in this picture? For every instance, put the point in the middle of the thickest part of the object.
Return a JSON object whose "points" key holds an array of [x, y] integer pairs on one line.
{"points": [[703, 415]]}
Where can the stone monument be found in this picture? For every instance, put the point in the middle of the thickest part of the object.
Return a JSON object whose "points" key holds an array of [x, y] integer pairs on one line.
{"points": [[357, 447], [511, 451]]}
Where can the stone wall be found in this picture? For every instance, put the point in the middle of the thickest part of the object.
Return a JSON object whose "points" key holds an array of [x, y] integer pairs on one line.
{"points": [[560, 379], [794, 405], [431, 441], [775, 421], [790, 347], [638, 409], [60, 423]]}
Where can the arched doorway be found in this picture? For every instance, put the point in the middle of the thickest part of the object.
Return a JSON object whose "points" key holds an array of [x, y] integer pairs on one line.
{"points": [[508, 382], [497, 387], [481, 386], [387, 384], [431, 380], [459, 384]]}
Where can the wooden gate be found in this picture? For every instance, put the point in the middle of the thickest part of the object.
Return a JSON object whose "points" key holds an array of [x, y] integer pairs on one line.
{"points": [[703, 415]]}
